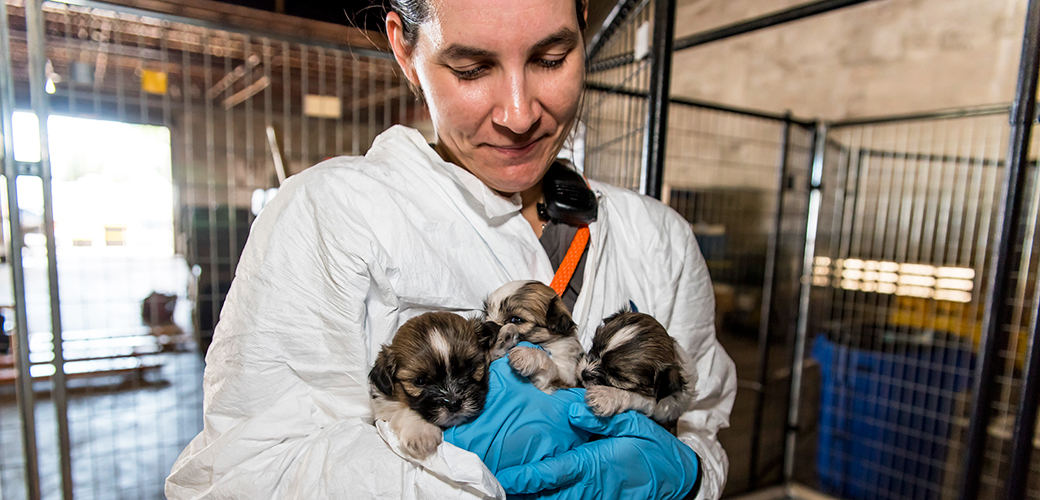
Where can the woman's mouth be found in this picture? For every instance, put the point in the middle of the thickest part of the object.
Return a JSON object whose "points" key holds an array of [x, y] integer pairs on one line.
{"points": [[519, 150]]}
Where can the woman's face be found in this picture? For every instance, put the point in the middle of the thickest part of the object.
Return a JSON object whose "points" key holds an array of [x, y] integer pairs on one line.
{"points": [[502, 79]]}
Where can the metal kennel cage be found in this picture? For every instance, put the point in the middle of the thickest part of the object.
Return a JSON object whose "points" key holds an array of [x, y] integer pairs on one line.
{"points": [[118, 268], [880, 273]]}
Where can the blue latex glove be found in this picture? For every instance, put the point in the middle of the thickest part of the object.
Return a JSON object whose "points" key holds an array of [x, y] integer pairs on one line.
{"points": [[520, 424], [637, 459], [538, 445]]}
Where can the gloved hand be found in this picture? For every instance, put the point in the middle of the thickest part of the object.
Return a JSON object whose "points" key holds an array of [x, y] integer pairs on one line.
{"points": [[637, 459], [520, 424], [538, 444]]}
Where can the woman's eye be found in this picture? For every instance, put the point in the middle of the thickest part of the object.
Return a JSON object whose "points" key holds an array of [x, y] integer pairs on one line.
{"points": [[516, 320], [468, 74], [551, 63]]}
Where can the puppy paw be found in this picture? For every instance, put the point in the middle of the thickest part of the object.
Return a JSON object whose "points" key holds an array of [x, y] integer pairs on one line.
{"points": [[420, 440], [604, 401], [526, 360]]}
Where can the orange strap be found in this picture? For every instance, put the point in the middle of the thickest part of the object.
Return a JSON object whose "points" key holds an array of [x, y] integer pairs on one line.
{"points": [[570, 260]]}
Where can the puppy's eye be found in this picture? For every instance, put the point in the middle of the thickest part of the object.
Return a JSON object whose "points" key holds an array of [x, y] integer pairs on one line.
{"points": [[516, 320], [419, 381]]}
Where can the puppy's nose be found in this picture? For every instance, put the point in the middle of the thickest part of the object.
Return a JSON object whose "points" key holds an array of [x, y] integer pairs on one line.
{"points": [[453, 403], [491, 325]]}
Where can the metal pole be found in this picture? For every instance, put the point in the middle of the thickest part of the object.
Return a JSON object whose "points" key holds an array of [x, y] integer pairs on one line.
{"points": [[617, 16], [1018, 156], [740, 28], [768, 292], [766, 21], [41, 106], [802, 328], [23, 386], [652, 179]]}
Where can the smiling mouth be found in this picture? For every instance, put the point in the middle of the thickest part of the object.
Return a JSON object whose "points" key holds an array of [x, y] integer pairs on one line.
{"points": [[518, 150]]}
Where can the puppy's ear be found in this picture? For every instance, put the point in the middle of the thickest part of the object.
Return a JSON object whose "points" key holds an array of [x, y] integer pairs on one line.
{"points": [[668, 382], [383, 372], [487, 332], [558, 318]]}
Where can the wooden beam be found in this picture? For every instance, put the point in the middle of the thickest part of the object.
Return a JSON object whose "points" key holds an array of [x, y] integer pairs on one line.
{"points": [[262, 21]]}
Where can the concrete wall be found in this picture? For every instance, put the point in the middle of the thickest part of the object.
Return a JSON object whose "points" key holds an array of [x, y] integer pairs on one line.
{"points": [[879, 58]]}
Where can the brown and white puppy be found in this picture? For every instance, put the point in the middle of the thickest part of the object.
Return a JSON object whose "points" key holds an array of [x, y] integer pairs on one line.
{"points": [[431, 376], [635, 365], [531, 311]]}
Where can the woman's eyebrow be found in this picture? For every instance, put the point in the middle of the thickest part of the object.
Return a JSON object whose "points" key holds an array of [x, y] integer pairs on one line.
{"points": [[458, 51], [565, 36]]}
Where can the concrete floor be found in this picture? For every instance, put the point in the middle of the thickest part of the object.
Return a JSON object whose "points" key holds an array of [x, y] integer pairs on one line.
{"points": [[125, 434], [738, 437]]}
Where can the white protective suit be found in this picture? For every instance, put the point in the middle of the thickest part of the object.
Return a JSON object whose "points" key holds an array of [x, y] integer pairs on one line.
{"points": [[355, 246]]}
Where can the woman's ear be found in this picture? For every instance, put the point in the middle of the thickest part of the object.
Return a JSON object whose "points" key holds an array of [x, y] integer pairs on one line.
{"points": [[402, 49]]}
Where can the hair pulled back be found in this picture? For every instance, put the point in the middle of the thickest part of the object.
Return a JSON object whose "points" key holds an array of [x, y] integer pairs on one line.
{"points": [[415, 12]]}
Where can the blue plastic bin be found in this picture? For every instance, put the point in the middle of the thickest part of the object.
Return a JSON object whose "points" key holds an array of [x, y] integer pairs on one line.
{"points": [[885, 419]]}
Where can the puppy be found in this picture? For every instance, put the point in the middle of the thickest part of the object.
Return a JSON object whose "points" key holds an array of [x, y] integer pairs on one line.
{"points": [[531, 311], [635, 365], [432, 375]]}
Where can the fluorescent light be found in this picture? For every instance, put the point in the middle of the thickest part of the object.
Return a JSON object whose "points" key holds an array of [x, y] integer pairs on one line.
{"points": [[952, 295], [850, 284], [954, 284], [910, 279], [915, 291], [889, 267], [920, 269], [964, 273], [852, 274]]}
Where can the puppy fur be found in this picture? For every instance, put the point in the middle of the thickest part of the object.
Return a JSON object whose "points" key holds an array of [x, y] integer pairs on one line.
{"points": [[432, 375], [635, 365], [531, 311]]}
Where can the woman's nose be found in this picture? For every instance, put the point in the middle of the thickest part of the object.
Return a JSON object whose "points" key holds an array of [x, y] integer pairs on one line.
{"points": [[518, 108]]}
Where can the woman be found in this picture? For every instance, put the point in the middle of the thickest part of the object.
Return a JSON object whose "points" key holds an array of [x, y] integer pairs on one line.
{"points": [[353, 247]]}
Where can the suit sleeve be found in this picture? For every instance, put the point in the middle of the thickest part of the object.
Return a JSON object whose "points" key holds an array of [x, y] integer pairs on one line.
{"points": [[286, 411], [688, 313]]}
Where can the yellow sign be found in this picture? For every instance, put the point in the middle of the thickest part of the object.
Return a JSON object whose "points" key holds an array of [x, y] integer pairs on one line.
{"points": [[153, 82]]}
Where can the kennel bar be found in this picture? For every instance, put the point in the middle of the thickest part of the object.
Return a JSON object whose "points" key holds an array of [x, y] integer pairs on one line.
{"points": [[614, 20], [1023, 118], [985, 110], [41, 107], [652, 178], [797, 352], [767, 21], [1009, 222], [622, 91], [769, 289], [740, 28], [24, 396]]}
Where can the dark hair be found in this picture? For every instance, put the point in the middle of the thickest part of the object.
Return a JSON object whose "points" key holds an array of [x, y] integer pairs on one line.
{"points": [[415, 12]]}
